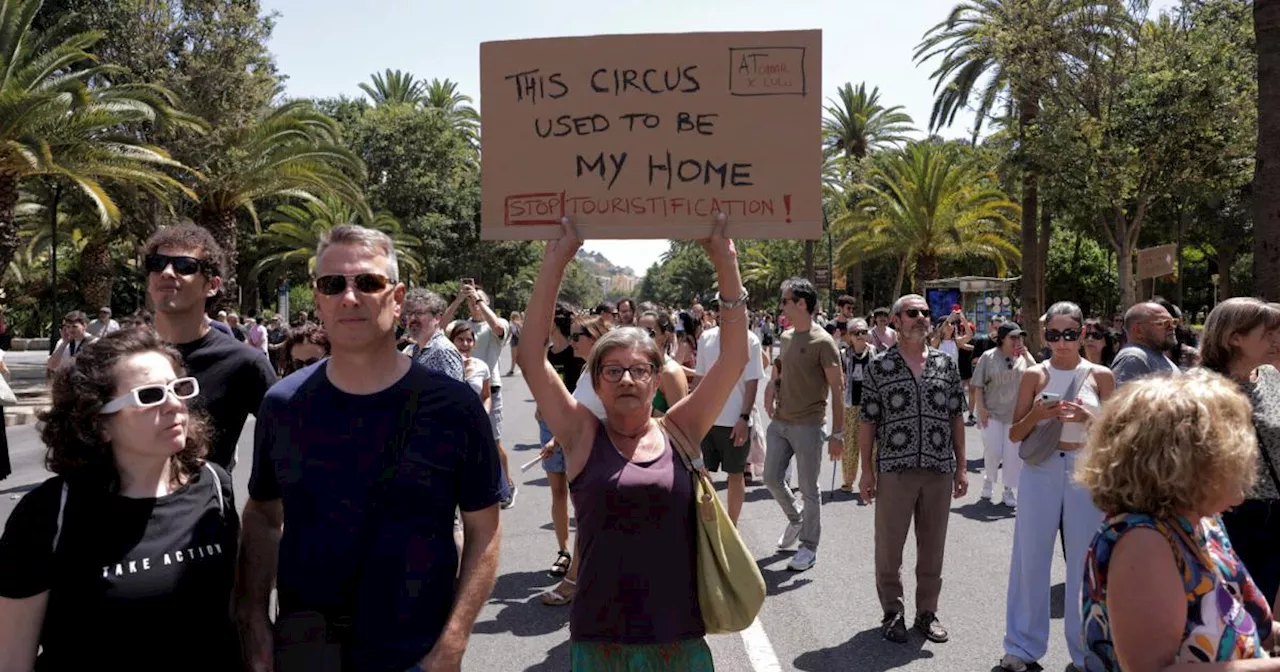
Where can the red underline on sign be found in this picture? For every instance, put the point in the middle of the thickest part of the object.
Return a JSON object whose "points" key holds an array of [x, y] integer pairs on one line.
{"points": [[545, 208]]}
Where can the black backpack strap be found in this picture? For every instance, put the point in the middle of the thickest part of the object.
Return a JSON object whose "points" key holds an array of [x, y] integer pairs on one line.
{"points": [[62, 507]]}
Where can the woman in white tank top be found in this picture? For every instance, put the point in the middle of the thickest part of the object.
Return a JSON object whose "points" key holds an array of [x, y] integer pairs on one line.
{"points": [[1048, 495]]}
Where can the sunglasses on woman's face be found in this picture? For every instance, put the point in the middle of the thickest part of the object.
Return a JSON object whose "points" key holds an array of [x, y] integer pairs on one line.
{"points": [[859, 332], [576, 336], [146, 396], [365, 283], [652, 333], [304, 363], [182, 265], [1096, 335], [1068, 335]]}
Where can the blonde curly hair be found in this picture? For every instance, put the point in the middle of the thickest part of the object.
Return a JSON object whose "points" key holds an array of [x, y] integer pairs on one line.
{"points": [[1167, 446]]}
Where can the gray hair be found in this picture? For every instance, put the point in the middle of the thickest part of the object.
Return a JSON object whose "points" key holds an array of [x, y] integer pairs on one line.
{"points": [[372, 240], [902, 301], [618, 338], [1064, 309], [424, 298]]}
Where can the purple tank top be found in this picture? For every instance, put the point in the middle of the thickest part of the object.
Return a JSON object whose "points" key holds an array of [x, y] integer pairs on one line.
{"points": [[637, 581]]}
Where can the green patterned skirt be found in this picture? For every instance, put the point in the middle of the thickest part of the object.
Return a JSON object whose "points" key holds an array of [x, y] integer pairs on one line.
{"points": [[689, 655]]}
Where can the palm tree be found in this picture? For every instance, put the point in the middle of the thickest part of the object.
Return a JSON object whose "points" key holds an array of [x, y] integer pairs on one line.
{"points": [[293, 152], [855, 124], [927, 202], [394, 88], [1018, 49], [294, 233], [445, 97], [53, 123]]}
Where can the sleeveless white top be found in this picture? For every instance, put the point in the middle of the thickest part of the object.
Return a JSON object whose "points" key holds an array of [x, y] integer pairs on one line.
{"points": [[1086, 395]]}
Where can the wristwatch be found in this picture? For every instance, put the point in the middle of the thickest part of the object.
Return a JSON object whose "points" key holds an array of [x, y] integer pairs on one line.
{"points": [[838, 436], [746, 417]]}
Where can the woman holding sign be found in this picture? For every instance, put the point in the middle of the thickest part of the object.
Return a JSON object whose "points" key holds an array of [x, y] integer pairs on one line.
{"points": [[637, 601]]}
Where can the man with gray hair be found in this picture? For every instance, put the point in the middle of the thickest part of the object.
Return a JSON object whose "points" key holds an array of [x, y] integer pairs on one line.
{"points": [[358, 448], [1151, 332], [912, 422], [430, 347]]}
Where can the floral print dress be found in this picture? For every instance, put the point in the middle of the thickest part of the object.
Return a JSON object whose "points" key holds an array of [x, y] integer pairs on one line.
{"points": [[1227, 617]]}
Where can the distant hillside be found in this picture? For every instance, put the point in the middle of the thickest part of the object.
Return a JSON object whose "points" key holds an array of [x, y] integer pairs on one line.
{"points": [[598, 264]]}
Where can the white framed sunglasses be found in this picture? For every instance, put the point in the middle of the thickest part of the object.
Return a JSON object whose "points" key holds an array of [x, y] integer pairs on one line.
{"points": [[146, 396]]}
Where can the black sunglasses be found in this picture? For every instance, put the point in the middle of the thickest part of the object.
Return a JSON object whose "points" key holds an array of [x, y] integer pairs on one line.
{"points": [[1068, 335], [575, 336], [365, 283], [652, 333], [859, 332], [182, 265], [916, 313], [304, 363], [1096, 335]]}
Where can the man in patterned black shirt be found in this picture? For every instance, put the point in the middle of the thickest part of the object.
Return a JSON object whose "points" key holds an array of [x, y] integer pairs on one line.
{"points": [[912, 411]]}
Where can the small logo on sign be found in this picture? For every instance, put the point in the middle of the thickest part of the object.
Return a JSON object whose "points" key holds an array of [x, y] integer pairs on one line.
{"points": [[766, 71]]}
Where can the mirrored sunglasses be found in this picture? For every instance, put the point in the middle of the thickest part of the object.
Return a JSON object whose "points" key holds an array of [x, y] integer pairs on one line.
{"points": [[365, 283]]}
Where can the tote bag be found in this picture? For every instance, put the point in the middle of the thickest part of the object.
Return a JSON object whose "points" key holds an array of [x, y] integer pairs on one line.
{"points": [[730, 587]]}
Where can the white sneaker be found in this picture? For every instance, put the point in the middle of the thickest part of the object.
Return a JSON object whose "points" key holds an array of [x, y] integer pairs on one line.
{"points": [[803, 559], [789, 537], [986, 489], [1012, 663], [1009, 499]]}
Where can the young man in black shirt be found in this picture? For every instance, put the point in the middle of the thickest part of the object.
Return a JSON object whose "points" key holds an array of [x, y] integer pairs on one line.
{"points": [[184, 269]]}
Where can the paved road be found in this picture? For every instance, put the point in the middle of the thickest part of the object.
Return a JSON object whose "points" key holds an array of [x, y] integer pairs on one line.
{"points": [[823, 620]]}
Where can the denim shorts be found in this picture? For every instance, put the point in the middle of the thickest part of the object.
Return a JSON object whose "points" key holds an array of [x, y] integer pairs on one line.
{"points": [[555, 463]]}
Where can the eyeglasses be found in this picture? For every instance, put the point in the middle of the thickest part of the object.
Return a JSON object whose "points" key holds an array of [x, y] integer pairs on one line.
{"points": [[182, 265], [1096, 335], [576, 336], [1068, 335], [416, 313], [916, 313], [640, 373], [146, 396], [1163, 322], [304, 363], [859, 332], [365, 283]]}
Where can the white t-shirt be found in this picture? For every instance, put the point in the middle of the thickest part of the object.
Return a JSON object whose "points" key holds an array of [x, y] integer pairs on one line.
{"points": [[709, 352], [476, 372], [586, 394]]}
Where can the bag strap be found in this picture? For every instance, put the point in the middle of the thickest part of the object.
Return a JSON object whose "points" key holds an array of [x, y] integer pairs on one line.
{"points": [[217, 487], [62, 505], [691, 454]]}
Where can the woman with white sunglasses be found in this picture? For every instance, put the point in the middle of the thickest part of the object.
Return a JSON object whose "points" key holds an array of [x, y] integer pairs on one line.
{"points": [[125, 559]]}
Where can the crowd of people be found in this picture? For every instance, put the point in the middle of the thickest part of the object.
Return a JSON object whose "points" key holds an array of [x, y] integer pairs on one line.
{"points": [[379, 469]]}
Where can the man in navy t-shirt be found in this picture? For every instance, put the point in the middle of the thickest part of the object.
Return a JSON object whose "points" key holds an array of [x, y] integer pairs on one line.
{"points": [[367, 455]]}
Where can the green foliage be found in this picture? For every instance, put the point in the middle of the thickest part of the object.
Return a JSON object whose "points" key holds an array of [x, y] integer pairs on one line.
{"points": [[301, 297], [294, 234], [857, 124], [579, 287], [926, 202], [1083, 271], [393, 88]]}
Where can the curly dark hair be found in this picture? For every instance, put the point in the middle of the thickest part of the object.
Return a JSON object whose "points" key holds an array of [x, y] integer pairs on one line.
{"points": [[311, 333], [72, 427], [189, 236]]}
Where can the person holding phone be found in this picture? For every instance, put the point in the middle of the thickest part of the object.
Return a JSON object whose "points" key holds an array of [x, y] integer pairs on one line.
{"points": [[1057, 400]]}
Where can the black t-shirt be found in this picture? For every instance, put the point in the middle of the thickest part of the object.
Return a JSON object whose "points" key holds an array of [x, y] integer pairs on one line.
{"points": [[319, 450], [233, 380], [135, 584], [567, 365], [277, 336], [238, 332]]}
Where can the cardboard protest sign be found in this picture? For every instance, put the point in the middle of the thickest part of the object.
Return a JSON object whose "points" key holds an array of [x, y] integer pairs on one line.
{"points": [[647, 136]]}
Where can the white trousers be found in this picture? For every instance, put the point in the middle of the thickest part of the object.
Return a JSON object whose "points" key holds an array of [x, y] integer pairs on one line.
{"points": [[1049, 496], [999, 450]]}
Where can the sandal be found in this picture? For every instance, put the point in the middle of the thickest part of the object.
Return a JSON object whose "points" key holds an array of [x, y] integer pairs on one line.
{"points": [[561, 595], [561, 566]]}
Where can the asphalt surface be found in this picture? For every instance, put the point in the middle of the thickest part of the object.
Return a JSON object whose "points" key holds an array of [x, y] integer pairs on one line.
{"points": [[823, 620]]}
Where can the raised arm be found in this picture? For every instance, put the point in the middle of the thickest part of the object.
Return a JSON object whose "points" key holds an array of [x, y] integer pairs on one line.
{"points": [[695, 413], [566, 418]]}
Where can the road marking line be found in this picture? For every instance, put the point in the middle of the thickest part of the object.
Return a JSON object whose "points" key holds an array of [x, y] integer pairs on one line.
{"points": [[759, 650]]}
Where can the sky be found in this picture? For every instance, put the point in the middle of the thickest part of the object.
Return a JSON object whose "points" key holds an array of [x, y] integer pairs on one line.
{"points": [[328, 47]]}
